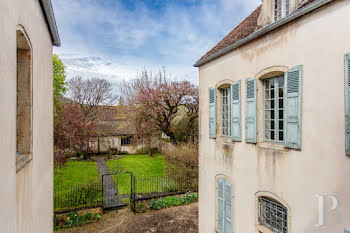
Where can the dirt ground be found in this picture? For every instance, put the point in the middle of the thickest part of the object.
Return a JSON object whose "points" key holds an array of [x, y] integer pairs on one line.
{"points": [[176, 219]]}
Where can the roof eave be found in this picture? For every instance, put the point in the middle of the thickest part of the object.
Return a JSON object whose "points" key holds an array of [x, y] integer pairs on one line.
{"points": [[51, 22], [264, 30]]}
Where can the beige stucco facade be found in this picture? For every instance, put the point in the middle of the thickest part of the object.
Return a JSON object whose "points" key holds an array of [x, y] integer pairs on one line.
{"points": [[318, 41], [26, 197]]}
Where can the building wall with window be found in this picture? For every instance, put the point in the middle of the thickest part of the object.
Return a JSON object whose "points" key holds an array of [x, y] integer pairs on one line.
{"points": [[111, 143], [26, 119], [266, 171]]}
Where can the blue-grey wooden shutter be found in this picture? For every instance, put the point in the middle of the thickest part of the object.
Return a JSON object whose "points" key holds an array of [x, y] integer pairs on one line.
{"points": [[292, 107], [250, 111], [212, 113], [347, 104], [220, 205], [228, 213], [346, 230], [236, 111]]}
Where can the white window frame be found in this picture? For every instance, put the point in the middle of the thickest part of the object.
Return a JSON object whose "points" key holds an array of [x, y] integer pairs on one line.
{"points": [[276, 109], [281, 9], [225, 112]]}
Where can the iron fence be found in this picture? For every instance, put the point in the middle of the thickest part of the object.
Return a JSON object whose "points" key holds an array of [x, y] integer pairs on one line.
{"points": [[77, 196], [129, 188]]}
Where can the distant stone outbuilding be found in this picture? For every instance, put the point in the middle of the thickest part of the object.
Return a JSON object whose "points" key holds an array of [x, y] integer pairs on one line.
{"points": [[115, 130]]}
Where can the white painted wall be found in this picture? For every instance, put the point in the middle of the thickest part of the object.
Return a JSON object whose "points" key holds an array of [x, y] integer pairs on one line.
{"points": [[318, 41], [26, 197]]}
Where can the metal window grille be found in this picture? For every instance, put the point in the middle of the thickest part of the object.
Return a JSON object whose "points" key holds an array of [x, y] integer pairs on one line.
{"points": [[225, 112], [273, 109], [272, 215]]}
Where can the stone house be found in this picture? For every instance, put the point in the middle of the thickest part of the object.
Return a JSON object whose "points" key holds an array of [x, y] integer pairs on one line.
{"points": [[28, 32], [114, 130], [274, 122]]}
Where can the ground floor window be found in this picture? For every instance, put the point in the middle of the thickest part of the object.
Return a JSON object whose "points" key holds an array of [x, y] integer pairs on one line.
{"points": [[272, 215], [224, 206], [125, 140]]}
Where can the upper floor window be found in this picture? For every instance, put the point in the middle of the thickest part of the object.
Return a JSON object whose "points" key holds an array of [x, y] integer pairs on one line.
{"points": [[281, 9], [225, 112], [272, 215], [273, 109]]}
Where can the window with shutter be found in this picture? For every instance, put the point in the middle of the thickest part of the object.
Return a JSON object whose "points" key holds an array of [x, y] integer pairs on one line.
{"points": [[220, 204], [236, 111], [212, 113], [250, 115], [347, 103], [292, 109], [224, 206]]}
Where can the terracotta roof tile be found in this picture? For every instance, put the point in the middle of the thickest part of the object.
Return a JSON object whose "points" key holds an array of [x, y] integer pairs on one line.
{"points": [[244, 29]]}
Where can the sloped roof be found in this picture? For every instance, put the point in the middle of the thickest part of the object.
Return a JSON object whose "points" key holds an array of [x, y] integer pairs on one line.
{"points": [[47, 9], [244, 29], [115, 121], [247, 30]]}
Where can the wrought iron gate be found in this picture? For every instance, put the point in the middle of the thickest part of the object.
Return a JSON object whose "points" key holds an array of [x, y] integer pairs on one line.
{"points": [[116, 188]]}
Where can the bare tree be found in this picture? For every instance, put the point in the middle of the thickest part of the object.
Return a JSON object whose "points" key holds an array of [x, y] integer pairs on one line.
{"points": [[91, 94], [158, 100]]}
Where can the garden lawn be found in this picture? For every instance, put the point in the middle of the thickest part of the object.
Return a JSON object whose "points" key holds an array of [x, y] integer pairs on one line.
{"points": [[76, 172], [142, 166]]}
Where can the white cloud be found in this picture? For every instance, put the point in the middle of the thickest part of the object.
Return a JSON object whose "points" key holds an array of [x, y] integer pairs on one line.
{"points": [[105, 38]]}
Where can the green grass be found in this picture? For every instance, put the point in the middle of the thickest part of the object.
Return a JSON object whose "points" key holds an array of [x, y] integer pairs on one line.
{"points": [[141, 165], [76, 172]]}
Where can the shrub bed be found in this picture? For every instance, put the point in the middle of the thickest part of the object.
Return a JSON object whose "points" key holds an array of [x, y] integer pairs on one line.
{"points": [[166, 202], [74, 219]]}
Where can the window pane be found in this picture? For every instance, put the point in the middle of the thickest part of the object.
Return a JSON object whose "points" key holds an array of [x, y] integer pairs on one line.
{"points": [[267, 134], [272, 93], [280, 82], [272, 135], [280, 114], [280, 103], [272, 83], [272, 103], [272, 114], [280, 125], [280, 93], [272, 124], [280, 135]]}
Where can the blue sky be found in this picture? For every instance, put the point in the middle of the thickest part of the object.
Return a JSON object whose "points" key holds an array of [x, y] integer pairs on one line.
{"points": [[116, 39]]}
